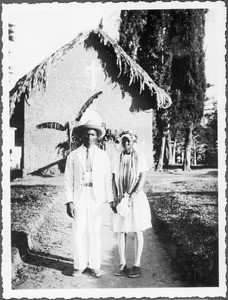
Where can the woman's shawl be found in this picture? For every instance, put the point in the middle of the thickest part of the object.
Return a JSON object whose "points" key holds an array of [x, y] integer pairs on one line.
{"points": [[127, 174]]}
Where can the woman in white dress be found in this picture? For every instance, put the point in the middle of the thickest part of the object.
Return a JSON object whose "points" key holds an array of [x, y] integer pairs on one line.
{"points": [[132, 214]]}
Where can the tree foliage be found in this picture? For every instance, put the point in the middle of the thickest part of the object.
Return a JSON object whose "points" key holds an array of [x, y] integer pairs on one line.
{"points": [[188, 65], [168, 44], [131, 28], [206, 137]]}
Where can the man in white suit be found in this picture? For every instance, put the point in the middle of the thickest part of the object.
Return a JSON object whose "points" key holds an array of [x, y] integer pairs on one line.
{"points": [[88, 185]]}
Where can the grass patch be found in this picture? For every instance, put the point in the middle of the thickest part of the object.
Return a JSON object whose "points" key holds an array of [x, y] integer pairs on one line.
{"points": [[188, 224], [29, 204]]}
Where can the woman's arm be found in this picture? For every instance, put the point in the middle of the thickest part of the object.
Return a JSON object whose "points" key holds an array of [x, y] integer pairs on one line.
{"points": [[114, 203], [140, 183], [114, 188], [138, 187]]}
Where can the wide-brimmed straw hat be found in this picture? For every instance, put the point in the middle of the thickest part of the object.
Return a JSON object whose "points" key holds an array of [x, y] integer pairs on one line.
{"points": [[90, 125]]}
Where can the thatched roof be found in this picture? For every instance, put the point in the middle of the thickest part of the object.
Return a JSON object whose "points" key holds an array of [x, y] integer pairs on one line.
{"points": [[37, 79]]}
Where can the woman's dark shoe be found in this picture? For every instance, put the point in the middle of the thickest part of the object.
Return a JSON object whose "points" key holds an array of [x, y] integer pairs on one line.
{"points": [[135, 272], [121, 271]]}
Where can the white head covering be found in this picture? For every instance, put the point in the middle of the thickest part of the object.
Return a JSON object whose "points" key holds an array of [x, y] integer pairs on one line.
{"points": [[131, 135]]}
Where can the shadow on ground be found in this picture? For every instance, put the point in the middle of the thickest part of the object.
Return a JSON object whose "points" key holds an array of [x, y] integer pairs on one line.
{"points": [[37, 258]]}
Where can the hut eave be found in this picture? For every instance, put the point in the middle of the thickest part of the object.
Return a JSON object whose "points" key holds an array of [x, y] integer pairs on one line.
{"points": [[136, 73], [37, 79]]}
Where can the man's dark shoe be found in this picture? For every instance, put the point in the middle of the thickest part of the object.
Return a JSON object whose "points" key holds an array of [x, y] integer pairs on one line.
{"points": [[135, 272], [76, 272], [121, 271], [96, 272]]}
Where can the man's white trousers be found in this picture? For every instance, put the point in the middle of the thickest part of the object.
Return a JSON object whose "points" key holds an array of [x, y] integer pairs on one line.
{"points": [[86, 231]]}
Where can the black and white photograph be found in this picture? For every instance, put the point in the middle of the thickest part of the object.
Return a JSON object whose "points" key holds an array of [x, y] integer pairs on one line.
{"points": [[113, 150]]}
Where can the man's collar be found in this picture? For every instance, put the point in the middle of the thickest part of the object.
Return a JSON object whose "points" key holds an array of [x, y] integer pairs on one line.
{"points": [[90, 148]]}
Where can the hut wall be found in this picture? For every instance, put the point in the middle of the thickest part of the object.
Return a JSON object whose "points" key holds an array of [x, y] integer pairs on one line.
{"points": [[71, 82]]}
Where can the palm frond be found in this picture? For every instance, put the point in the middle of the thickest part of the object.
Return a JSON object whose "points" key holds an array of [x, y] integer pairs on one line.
{"points": [[86, 105], [52, 125]]}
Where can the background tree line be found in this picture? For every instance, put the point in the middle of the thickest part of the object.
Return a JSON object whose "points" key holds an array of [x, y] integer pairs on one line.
{"points": [[169, 45]]}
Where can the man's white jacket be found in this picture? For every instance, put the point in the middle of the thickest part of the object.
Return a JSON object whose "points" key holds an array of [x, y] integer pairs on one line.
{"points": [[101, 176]]}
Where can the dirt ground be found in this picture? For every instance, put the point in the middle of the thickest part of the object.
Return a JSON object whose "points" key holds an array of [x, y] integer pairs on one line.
{"points": [[51, 253]]}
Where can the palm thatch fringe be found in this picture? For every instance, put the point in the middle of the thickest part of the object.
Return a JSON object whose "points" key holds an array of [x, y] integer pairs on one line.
{"points": [[135, 71], [37, 79]]}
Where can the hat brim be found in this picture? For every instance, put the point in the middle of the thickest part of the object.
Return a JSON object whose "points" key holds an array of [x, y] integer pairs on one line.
{"points": [[80, 129]]}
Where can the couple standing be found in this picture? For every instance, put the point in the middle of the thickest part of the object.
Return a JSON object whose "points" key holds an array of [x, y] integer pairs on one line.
{"points": [[90, 180]]}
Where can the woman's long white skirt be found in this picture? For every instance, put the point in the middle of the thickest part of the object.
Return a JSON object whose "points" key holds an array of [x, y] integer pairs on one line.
{"points": [[138, 218]]}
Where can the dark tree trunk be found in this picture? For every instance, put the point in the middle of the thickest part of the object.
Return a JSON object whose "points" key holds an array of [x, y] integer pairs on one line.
{"points": [[169, 143], [194, 153], [174, 152], [161, 156], [187, 153]]}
